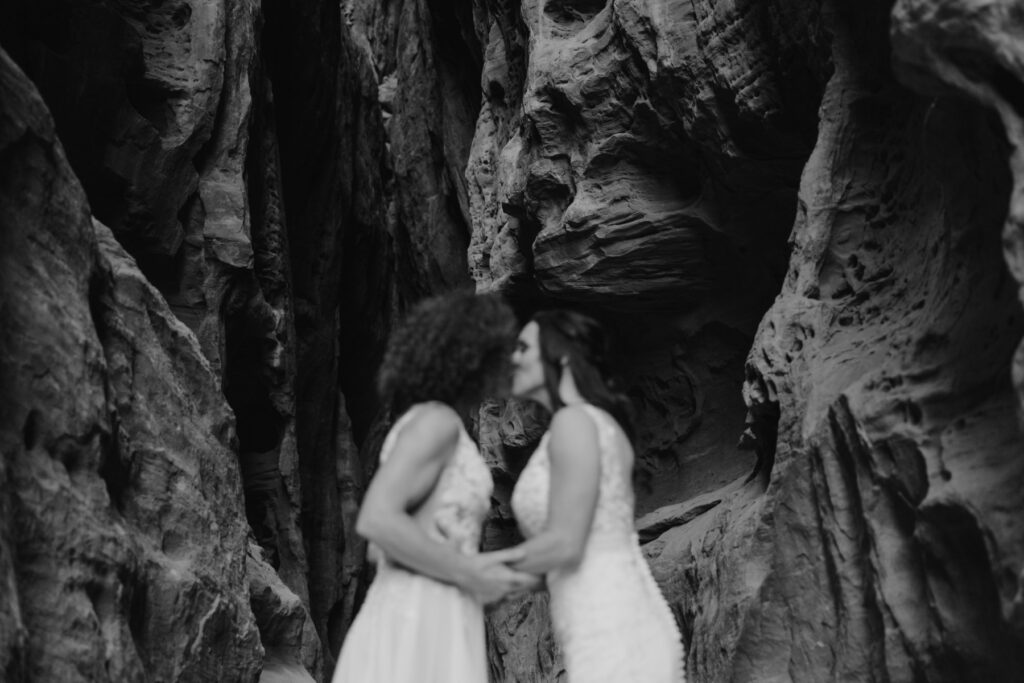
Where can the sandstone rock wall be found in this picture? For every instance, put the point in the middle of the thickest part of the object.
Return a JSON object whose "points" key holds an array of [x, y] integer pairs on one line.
{"points": [[885, 549], [802, 220], [631, 161], [648, 173], [123, 537], [628, 161], [243, 154], [156, 107]]}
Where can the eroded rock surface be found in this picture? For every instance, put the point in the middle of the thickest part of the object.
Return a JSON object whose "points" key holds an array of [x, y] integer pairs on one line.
{"points": [[885, 546], [640, 141], [123, 532], [630, 161], [878, 390], [154, 105], [796, 217], [240, 152]]}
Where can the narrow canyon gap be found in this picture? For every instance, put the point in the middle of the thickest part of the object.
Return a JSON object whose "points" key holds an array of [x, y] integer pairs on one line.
{"points": [[803, 221]]}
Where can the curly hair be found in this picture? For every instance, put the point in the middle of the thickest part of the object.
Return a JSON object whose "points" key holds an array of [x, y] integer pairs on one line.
{"points": [[451, 348]]}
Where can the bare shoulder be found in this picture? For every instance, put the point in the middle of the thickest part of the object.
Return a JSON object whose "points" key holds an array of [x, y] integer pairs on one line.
{"points": [[431, 427], [573, 421], [573, 442], [436, 413]]}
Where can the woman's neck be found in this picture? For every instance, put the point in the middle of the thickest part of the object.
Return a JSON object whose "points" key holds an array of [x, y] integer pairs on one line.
{"points": [[542, 397], [568, 392]]}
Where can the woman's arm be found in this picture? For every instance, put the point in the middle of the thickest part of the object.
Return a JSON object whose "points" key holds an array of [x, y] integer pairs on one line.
{"points": [[402, 483], [574, 455]]}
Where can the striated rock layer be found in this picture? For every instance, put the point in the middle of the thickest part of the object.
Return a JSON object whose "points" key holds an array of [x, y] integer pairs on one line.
{"points": [[628, 161], [631, 161], [155, 107], [801, 220], [243, 153], [643, 175], [124, 546], [889, 544]]}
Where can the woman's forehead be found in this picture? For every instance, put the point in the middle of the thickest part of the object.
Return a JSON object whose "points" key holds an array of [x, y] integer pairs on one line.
{"points": [[529, 331]]}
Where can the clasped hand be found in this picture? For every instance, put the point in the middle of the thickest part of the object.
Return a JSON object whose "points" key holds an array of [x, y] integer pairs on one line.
{"points": [[492, 579]]}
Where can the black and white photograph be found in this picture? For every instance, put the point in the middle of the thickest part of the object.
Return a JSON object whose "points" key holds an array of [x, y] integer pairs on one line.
{"points": [[512, 341]]}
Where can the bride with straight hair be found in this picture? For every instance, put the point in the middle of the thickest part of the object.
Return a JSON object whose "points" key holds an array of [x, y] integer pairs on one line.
{"points": [[574, 503], [422, 620]]}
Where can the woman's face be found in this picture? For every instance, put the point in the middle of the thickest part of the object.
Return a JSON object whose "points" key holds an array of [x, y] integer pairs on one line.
{"points": [[527, 369]]}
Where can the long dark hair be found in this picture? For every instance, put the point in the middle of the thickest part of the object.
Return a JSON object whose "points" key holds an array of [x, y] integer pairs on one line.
{"points": [[585, 346], [451, 348]]}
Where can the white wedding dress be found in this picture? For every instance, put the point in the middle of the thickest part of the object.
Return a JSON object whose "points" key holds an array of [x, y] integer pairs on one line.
{"points": [[609, 615], [412, 628]]}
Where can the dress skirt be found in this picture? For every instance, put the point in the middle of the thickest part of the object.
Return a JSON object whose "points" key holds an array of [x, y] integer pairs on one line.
{"points": [[413, 629], [611, 620]]}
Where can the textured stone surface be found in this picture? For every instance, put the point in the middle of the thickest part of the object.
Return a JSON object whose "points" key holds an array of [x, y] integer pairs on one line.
{"points": [[974, 49], [640, 140], [423, 66], [154, 104], [124, 536], [830, 484], [628, 159], [148, 80], [240, 152], [887, 544], [413, 123], [877, 538], [331, 159], [286, 631], [631, 160]]}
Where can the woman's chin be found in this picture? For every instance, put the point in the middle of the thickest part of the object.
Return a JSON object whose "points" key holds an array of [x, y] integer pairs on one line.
{"points": [[525, 395]]}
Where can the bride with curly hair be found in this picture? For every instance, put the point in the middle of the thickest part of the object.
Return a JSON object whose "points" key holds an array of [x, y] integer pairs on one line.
{"points": [[422, 619]]}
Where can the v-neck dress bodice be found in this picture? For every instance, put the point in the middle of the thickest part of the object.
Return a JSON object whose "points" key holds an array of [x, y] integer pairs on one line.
{"points": [[609, 615], [412, 628]]}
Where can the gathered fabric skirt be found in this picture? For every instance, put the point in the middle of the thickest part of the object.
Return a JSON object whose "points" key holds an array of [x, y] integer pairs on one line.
{"points": [[412, 628]]}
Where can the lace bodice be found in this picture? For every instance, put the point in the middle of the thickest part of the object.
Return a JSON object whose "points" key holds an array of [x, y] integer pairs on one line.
{"points": [[461, 499], [609, 615], [412, 628], [613, 515]]}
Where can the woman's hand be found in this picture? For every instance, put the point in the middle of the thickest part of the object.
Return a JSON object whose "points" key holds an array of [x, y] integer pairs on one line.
{"points": [[489, 577], [536, 583]]}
